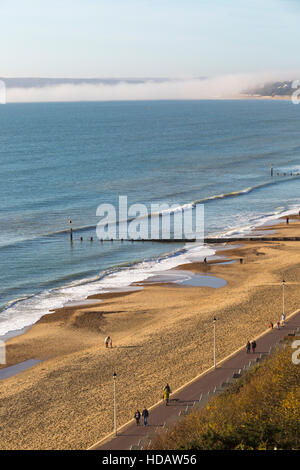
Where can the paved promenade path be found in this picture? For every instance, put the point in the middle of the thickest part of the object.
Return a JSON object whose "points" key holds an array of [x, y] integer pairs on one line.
{"points": [[130, 434]]}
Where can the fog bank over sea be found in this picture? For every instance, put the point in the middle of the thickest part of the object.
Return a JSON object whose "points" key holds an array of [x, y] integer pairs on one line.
{"points": [[233, 86]]}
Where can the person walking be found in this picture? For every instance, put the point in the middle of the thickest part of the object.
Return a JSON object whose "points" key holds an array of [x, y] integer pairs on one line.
{"points": [[271, 325], [278, 325], [145, 414], [248, 347], [166, 395], [110, 342], [283, 319], [253, 346], [106, 341], [137, 416]]}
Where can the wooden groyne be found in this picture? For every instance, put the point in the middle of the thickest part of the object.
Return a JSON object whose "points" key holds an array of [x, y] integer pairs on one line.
{"points": [[209, 240]]}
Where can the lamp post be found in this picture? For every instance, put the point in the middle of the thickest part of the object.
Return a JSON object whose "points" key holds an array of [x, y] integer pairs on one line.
{"points": [[214, 322], [283, 300], [115, 404]]}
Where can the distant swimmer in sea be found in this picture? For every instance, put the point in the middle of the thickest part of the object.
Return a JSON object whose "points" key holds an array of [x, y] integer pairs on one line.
{"points": [[106, 341], [248, 347]]}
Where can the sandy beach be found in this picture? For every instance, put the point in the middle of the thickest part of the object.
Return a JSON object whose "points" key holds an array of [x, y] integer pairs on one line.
{"points": [[160, 334]]}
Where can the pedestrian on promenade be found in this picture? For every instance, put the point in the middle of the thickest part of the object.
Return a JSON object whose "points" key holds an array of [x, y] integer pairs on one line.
{"points": [[248, 347], [253, 346], [166, 394], [145, 415], [271, 325], [137, 416], [283, 319], [106, 341], [278, 325]]}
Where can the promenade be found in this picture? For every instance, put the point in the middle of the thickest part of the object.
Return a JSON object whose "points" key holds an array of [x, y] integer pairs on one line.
{"points": [[130, 435]]}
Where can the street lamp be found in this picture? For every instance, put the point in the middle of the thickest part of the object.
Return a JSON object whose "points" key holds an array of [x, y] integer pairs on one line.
{"points": [[115, 404], [214, 322], [283, 306]]}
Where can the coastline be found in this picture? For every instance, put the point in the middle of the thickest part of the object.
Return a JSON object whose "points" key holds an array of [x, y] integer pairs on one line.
{"points": [[161, 333]]}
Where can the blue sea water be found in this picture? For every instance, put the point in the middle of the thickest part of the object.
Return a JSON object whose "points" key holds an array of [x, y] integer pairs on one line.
{"points": [[59, 161]]}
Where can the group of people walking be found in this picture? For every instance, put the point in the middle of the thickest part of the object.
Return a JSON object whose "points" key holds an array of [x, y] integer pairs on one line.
{"points": [[108, 342], [278, 324], [145, 412], [250, 346]]}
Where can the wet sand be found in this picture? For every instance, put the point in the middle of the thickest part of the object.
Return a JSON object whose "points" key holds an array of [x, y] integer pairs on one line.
{"points": [[160, 334]]}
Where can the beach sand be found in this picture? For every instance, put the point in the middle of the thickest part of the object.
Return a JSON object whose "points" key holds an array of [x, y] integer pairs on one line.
{"points": [[160, 334]]}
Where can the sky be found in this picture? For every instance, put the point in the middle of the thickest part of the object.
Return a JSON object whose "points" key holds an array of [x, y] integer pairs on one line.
{"points": [[148, 38]]}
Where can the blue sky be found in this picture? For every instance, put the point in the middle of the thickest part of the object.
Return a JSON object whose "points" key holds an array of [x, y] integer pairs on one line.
{"points": [[147, 38]]}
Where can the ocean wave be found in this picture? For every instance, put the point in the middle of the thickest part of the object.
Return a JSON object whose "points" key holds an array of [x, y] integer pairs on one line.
{"points": [[23, 313], [257, 221], [171, 210]]}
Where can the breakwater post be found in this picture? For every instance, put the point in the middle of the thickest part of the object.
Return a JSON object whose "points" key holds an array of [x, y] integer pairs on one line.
{"points": [[71, 231]]}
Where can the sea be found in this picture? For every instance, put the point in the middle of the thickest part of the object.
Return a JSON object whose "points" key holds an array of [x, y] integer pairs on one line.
{"points": [[60, 161]]}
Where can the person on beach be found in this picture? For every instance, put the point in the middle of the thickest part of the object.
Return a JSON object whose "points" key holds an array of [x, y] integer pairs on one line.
{"points": [[248, 347], [110, 342], [145, 415], [287, 220], [271, 325], [106, 341], [205, 260], [137, 416], [253, 346]]}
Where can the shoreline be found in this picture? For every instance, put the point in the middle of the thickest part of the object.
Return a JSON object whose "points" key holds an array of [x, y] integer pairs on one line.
{"points": [[149, 347], [222, 238]]}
